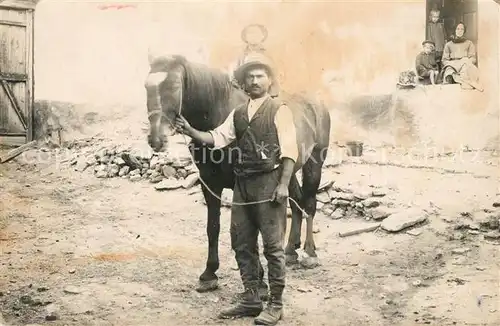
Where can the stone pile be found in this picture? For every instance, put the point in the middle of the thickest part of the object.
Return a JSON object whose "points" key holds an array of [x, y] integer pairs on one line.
{"points": [[371, 204], [486, 224], [158, 168], [339, 202]]}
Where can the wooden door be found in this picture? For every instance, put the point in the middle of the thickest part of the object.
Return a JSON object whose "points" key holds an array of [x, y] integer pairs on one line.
{"points": [[16, 75], [465, 11], [469, 17]]}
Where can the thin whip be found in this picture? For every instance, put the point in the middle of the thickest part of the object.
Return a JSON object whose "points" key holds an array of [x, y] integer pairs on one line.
{"points": [[208, 188]]}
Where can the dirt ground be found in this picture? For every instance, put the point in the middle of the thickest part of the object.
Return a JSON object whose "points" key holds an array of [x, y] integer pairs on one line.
{"points": [[89, 251]]}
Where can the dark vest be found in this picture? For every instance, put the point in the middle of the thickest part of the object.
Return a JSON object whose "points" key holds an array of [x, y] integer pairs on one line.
{"points": [[256, 137]]}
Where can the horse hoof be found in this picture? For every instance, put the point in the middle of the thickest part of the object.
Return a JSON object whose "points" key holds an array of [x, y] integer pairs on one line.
{"points": [[291, 260], [207, 286], [309, 262]]}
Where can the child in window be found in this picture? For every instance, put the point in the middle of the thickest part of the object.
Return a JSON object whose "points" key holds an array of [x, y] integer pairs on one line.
{"points": [[426, 65], [436, 33]]}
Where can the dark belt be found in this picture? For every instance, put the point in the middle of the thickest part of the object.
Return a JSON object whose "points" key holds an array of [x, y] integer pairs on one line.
{"points": [[249, 168]]}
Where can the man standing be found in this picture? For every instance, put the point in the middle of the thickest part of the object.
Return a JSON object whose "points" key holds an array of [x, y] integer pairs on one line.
{"points": [[264, 167]]}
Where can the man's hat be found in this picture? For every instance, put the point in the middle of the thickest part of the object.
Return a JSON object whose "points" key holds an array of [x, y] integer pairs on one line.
{"points": [[255, 60], [428, 42]]}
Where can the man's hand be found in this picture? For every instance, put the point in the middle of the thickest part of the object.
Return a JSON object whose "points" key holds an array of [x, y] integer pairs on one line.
{"points": [[280, 194], [182, 126]]}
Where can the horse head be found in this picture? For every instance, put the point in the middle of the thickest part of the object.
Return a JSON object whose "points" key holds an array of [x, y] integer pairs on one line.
{"points": [[176, 86], [164, 86]]}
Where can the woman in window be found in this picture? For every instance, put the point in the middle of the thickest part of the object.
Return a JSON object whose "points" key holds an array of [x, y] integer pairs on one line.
{"points": [[459, 61]]}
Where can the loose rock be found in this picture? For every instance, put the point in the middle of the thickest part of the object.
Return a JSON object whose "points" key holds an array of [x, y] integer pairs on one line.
{"points": [[131, 161], [492, 236], [144, 153], [401, 220], [70, 289], [113, 170], [119, 161], [104, 160], [493, 221], [81, 164], [342, 196], [460, 251], [325, 185], [414, 233], [323, 197], [168, 171], [168, 184], [181, 173], [181, 162], [190, 181], [362, 194], [457, 236], [156, 178], [340, 202], [102, 171], [101, 153], [473, 226], [135, 177], [378, 213], [378, 193], [370, 202], [153, 162], [123, 171], [327, 209]]}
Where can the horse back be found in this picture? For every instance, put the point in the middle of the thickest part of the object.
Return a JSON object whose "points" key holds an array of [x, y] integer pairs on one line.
{"points": [[312, 125]]}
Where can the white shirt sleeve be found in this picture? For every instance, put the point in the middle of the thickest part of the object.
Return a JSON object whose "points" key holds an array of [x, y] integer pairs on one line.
{"points": [[287, 134], [224, 134]]}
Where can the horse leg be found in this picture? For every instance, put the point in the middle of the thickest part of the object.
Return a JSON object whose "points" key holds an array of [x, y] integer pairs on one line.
{"points": [[311, 179], [208, 279], [291, 256]]}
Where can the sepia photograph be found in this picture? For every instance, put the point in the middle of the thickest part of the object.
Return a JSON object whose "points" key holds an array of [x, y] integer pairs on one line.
{"points": [[272, 162]]}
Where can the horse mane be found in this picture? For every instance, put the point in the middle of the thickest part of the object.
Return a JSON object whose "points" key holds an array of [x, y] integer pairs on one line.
{"points": [[206, 92]]}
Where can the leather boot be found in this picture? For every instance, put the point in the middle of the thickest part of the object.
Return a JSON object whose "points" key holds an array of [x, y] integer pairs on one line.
{"points": [[272, 313], [250, 305], [263, 293]]}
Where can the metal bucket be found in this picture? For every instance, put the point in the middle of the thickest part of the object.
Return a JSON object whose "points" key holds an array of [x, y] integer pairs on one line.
{"points": [[354, 148]]}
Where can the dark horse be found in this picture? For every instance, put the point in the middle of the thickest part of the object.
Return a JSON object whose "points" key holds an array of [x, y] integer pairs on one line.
{"points": [[205, 98]]}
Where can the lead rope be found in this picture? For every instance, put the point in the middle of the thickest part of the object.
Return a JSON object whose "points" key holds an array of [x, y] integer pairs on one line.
{"points": [[203, 181]]}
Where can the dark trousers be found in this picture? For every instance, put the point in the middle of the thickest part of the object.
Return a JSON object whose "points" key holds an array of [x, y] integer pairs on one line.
{"points": [[246, 221]]}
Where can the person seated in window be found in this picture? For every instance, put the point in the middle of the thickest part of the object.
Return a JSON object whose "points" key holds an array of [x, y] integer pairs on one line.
{"points": [[459, 61], [426, 65]]}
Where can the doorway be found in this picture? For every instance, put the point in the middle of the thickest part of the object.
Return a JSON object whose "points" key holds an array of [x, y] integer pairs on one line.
{"points": [[453, 12]]}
